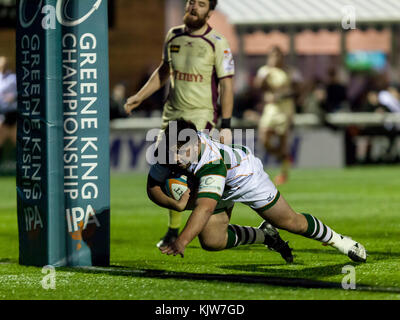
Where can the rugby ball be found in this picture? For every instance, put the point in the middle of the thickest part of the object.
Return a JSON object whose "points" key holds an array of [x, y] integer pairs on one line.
{"points": [[176, 187]]}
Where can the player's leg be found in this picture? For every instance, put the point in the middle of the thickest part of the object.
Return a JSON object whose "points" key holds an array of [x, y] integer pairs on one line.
{"points": [[174, 217], [282, 216], [3, 134], [219, 234], [267, 136], [214, 235], [284, 158], [284, 120], [13, 134]]}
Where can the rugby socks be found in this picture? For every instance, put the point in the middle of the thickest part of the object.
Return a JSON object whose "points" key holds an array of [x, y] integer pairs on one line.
{"points": [[317, 230], [174, 219], [238, 235]]}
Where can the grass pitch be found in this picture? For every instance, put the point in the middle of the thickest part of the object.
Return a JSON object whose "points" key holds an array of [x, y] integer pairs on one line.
{"points": [[363, 203]]}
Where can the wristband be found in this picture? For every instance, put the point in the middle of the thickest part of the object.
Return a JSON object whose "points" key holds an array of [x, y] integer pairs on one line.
{"points": [[226, 123]]}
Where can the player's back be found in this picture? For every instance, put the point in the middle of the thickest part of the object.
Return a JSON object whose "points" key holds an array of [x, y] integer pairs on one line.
{"points": [[238, 161]]}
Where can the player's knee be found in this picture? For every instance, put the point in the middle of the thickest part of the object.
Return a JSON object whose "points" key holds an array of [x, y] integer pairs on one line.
{"points": [[211, 245]]}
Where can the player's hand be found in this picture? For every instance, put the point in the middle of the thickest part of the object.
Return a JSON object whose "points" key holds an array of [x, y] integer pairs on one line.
{"points": [[225, 136], [183, 201], [132, 103], [174, 248]]}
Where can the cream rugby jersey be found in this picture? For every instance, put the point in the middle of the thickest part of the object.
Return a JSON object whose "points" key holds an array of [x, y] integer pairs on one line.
{"points": [[197, 64], [227, 174]]}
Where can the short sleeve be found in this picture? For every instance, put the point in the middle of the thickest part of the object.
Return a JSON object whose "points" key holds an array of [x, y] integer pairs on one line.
{"points": [[159, 173], [165, 55], [212, 180], [224, 63]]}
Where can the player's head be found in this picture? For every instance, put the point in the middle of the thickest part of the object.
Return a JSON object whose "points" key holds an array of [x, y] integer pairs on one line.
{"points": [[182, 142], [197, 13], [275, 57]]}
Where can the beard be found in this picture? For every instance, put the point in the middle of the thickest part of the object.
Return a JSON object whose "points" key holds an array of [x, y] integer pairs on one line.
{"points": [[193, 22]]}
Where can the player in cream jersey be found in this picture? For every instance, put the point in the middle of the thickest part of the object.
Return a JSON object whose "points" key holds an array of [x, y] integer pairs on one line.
{"points": [[227, 175], [199, 64], [277, 118]]}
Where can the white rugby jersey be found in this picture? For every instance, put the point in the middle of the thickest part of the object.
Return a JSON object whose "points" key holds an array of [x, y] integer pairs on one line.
{"points": [[223, 171]]}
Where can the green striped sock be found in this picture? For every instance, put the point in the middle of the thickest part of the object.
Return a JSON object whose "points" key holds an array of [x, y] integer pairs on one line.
{"points": [[239, 235], [316, 229]]}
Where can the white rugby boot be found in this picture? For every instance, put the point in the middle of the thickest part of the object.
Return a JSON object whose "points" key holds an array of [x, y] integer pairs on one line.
{"points": [[346, 245]]}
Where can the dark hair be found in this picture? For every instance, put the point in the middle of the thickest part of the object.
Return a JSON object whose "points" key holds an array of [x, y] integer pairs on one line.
{"points": [[213, 4], [179, 125], [277, 49]]}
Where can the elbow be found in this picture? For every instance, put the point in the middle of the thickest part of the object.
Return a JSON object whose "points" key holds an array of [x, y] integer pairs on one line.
{"points": [[150, 194], [163, 73]]}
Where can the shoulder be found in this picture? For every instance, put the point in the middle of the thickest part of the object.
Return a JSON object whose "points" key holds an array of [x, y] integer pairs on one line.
{"points": [[175, 31], [264, 71], [211, 161], [159, 172], [215, 36], [217, 39]]}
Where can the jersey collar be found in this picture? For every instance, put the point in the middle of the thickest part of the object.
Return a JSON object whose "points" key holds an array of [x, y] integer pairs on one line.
{"points": [[208, 30]]}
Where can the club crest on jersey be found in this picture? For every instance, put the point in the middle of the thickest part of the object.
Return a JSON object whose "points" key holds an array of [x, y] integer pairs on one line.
{"points": [[175, 48]]}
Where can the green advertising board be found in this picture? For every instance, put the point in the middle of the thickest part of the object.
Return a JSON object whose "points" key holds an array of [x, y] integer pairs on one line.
{"points": [[63, 133]]}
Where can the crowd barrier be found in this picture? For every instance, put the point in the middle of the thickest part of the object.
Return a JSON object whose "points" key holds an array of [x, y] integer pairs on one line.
{"points": [[334, 141]]}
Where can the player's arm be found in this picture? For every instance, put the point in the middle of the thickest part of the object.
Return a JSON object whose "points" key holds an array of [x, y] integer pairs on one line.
{"points": [[260, 81], [156, 195], [156, 81], [226, 91], [197, 221], [211, 187], [225, 69]]}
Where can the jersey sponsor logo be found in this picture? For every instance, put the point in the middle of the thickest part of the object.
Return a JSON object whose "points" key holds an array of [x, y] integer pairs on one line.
{"points": [[175, 48], [189, 77], [209, 181], [212, 184]]}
